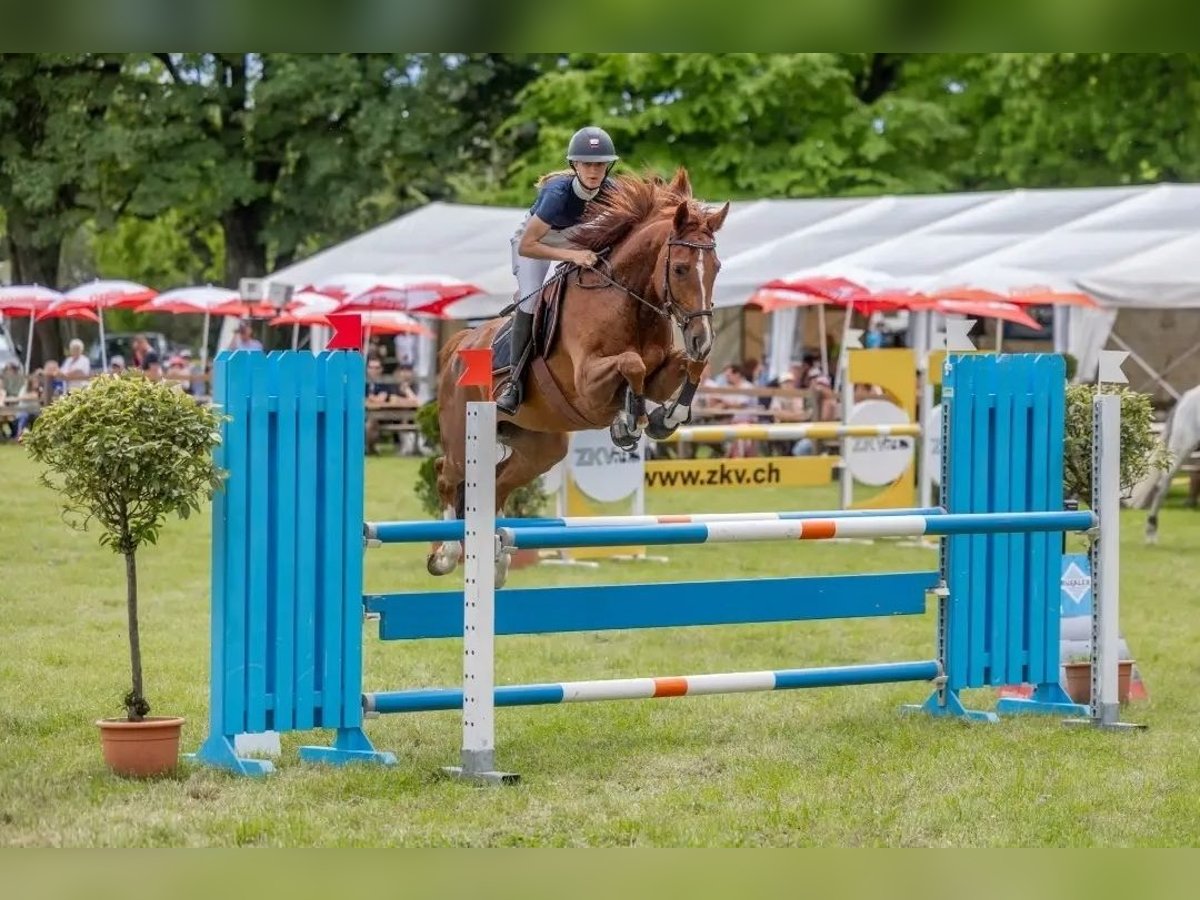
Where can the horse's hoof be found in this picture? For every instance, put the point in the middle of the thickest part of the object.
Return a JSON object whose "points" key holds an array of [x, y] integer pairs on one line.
{"points": [[1152, 537], [502, 563], [657, 427], [622, 438], [441, 561]]}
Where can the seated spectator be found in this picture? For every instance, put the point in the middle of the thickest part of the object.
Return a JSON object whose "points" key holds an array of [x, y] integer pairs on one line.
{"points": [[790, 409], [116, 365], [76, 367], [52, 384], [245, 339], [383, 395], [12, 381], [143, 354], [178, 373]]}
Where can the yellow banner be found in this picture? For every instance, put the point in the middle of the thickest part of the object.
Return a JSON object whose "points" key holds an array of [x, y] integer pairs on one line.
{"points": [[767, 472]]}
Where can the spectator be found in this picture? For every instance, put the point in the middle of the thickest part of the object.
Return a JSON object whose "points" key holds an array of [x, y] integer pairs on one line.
{"points": [[143, 354], [116, 365], [245, 339], [76, 367], [383, 395], [12, 382], [52, 383]]}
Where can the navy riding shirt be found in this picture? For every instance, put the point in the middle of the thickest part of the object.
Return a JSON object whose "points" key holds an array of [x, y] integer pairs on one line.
{"points": [[558, 205]]}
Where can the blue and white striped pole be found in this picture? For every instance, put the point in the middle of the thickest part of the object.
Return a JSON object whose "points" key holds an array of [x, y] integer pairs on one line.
{"points": [[798, 529], [452, 529]]}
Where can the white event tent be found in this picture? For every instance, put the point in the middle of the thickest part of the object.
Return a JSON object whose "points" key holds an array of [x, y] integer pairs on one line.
{"points": [[1135, 250]]}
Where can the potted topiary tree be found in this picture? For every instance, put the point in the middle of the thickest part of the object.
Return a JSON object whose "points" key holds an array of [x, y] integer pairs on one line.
{"points": [[526, 501], [125, 452], [1141, 449]]}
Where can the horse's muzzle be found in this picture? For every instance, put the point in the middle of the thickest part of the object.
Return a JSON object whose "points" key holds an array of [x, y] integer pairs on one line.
{"points": [[698, 339]]}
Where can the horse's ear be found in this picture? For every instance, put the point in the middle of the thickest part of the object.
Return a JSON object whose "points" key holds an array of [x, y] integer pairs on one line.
{"points": [[682, 185], [717, 219], [682, 216]]}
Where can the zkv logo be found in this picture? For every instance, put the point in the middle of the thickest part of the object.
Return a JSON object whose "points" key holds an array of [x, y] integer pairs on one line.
{"points": [[603, 456]]}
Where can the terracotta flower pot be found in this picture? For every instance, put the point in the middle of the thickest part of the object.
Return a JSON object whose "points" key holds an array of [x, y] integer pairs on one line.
{"points": [[149, 747], [1079, 680]]}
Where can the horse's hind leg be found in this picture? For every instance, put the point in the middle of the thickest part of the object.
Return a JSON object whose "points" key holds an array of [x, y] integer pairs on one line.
{"points": [[1161, 488], [444, 557], [534, 453]]}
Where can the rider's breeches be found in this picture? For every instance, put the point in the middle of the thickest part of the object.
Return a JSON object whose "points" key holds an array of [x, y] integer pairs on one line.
{"points": [[531, 275]]}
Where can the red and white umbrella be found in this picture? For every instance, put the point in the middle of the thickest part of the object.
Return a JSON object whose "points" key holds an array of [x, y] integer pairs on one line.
{"points": [[204, 299], [835, 289], [110, 294], [58, 311], [27, 300], [384, 321], [991, 309], [195, 299], [364, 291], [23, 299], [381, 321], [305, 308]]}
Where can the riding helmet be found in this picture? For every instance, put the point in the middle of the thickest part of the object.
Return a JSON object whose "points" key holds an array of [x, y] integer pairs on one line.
{"points": [[591, 144]]}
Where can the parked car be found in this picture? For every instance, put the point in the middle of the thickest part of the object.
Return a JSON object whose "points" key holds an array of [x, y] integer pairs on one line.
{"points": [[8, 350]]}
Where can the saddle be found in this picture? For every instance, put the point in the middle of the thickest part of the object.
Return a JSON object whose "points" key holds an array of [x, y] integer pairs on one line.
{"points": [[546, 315]]}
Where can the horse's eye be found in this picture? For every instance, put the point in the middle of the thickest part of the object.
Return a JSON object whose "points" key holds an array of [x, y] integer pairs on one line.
{"points": [[680, 269]]}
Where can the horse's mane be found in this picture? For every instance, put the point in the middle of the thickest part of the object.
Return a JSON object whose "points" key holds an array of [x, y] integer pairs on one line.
{"points": [[634, 201]]}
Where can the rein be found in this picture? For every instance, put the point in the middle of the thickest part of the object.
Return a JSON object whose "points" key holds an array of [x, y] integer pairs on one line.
{"points": [[673, 310]]}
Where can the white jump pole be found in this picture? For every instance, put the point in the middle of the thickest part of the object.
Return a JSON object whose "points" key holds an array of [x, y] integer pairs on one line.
{"points": [[923, 328], [480, 556], [1105, 550]]}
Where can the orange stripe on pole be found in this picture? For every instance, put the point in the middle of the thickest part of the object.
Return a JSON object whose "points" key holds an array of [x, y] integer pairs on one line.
{"points": [[670, 687], [816, 529], [673, 520]]}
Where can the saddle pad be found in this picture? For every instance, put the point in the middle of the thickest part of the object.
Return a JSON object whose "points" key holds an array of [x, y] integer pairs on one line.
{"points": [[545, 328]]}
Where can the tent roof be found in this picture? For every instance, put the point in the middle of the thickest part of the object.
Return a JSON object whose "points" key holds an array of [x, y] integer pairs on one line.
{"points": [[1128, 246]]}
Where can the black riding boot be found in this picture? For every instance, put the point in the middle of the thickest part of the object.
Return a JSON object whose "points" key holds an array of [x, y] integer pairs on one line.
{"points": [[513, 392]]}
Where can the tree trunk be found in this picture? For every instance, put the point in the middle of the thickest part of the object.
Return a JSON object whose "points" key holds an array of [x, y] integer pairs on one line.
{"points": [[245, 246], [34, 263], [135, 703]]}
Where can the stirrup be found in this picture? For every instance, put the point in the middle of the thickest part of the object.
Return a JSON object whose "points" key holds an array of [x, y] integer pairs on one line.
{"points": [[509, 399]]}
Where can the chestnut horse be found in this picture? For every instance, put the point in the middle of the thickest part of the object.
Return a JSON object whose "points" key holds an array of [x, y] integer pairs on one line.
{"points": [[615, 346]]}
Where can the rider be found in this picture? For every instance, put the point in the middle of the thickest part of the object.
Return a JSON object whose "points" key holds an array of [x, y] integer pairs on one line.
{"points": [[544, 238]]}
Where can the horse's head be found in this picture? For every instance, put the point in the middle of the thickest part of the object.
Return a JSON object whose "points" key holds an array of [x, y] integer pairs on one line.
{"points": [[689, 263]]}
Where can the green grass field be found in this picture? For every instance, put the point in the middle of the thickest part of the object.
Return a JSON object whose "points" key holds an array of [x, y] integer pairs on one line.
{"points": [[838, 766]]}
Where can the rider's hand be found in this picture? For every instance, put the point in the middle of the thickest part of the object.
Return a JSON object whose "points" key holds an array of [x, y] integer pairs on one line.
{"points": [[585, 258]]}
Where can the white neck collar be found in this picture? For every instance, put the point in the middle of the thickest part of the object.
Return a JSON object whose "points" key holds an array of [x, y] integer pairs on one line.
{"points": [[580, 191]]}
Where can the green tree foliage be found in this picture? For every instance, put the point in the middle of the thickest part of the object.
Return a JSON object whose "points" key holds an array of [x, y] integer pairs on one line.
{"points": [[1066, 119], [745, 124]]}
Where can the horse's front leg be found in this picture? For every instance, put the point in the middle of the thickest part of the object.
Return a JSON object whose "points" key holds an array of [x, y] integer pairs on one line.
{"points": [[603, 378], [661, 386]]}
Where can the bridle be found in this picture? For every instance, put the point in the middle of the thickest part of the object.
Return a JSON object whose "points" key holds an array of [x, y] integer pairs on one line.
{"points": [[671, 308]]}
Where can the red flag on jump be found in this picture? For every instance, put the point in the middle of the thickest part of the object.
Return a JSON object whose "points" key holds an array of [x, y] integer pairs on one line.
{"points": [[476, 368], [347, 332]]}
